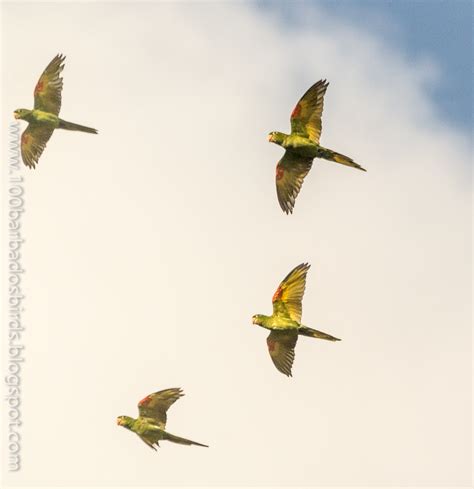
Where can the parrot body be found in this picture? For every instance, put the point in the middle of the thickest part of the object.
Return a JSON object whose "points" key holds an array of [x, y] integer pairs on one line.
{"points": [[51, 120], [43, 119], [38, 117], [306, 148], [151, 422], [302, 146], [285, 322], [275, 322]]}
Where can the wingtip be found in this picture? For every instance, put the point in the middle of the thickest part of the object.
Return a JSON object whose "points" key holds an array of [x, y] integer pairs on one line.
{"points": [[322, 81], [288, 374], [179, 390], [286, 207]]}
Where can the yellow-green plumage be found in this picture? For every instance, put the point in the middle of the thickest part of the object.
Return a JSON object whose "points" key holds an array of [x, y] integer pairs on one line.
{"points": [[285, 322], [151, 422], [43, 119], [302, 146]]}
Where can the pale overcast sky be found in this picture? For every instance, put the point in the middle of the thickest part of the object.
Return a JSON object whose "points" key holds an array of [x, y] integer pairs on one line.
{"points": [[440, 30], [150, 246]]}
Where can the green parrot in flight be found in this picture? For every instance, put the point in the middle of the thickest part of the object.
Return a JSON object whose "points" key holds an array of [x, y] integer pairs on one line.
{"points": [[302, 146], [285, 322], [43, 119], [151, 422]]}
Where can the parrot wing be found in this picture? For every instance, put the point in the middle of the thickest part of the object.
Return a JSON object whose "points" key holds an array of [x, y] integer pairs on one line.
{"points": [[281, 346], [33, 142], [290, 173], [289, 295], [306, 116], [150, 440], [48, 89], [154, 406]]}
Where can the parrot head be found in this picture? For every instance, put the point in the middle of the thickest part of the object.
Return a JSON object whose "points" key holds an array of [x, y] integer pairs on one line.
{"points": [[276, 137], [21, 113], [125, 421], [257, 319]]}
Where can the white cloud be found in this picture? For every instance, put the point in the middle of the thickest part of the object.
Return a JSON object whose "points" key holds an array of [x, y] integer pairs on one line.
{"points": [[150, 246]]}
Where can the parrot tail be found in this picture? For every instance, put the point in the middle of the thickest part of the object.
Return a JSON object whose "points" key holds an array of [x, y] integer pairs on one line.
{"points": [[330, 155], [181, 441], [314, 333], [70, 126]]}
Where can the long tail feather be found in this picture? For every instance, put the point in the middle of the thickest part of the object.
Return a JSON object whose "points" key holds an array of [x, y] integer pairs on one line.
{"points": [[70, 126], [314, 333], [182, 441], [331, 155]]}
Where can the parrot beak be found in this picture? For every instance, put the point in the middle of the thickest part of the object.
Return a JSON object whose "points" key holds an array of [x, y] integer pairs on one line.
{"points": [[16, 115], [270, 137]]}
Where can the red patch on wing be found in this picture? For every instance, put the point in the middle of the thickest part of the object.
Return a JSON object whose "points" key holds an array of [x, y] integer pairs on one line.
{"points": [[39, 87], [25, 138], [271, 345], [144, 401], [277, 295], [279, 172], [296, 111]]}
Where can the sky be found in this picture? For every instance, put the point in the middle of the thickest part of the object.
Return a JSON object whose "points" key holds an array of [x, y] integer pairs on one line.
{"points": [[150, 246], [440, 30]]}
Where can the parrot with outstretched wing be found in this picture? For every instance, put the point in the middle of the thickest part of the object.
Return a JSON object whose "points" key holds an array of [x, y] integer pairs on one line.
{"points": [[43, 119], [151, 422], [302, 146], [285, 322]]}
